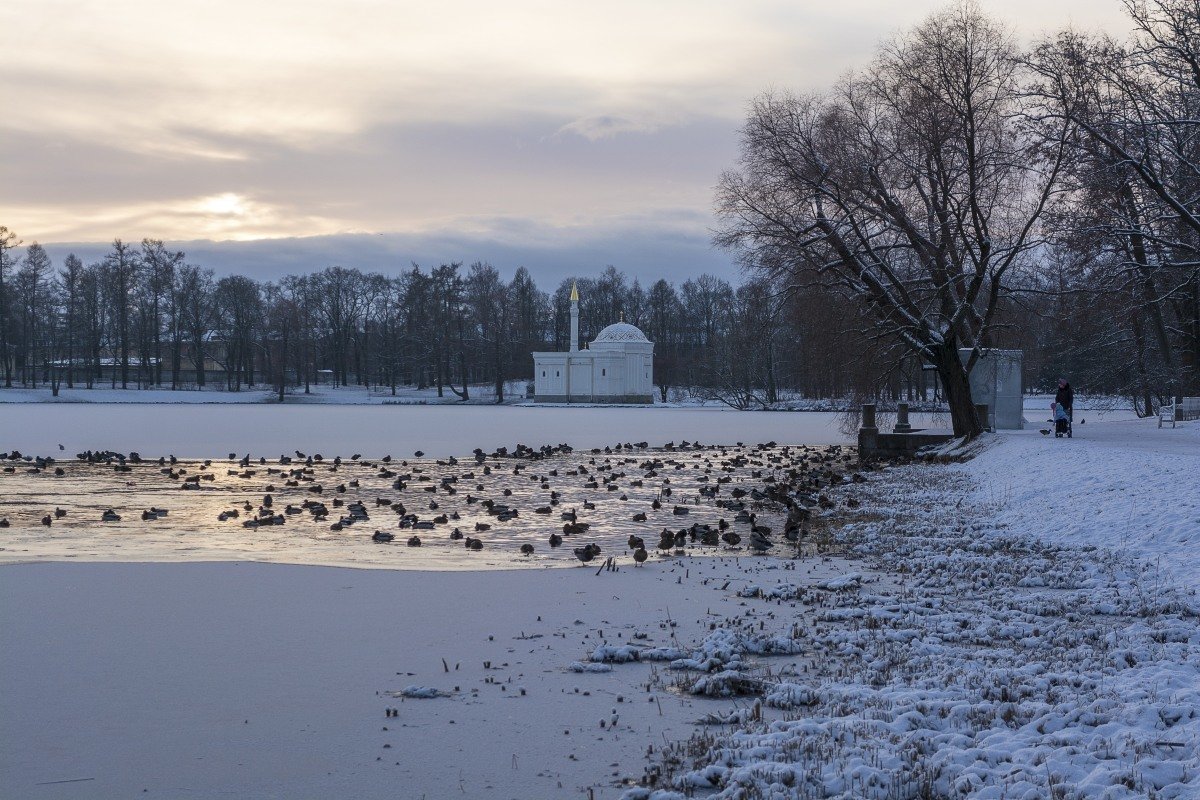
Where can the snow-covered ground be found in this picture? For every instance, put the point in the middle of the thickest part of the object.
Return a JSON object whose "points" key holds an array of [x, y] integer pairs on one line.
{"points": [[967, 631], [1128, 486], [1042, 641]]}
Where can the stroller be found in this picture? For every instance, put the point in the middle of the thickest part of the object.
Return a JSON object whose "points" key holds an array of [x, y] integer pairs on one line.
{"points": [[1062, 421]]}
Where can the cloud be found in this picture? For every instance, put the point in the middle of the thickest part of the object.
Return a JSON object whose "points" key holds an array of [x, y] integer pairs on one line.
{"points": [[126, 118], [386, 178], [670, 244]]}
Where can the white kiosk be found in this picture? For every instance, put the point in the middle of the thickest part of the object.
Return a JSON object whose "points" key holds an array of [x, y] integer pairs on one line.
{"points": [[996, 380]]}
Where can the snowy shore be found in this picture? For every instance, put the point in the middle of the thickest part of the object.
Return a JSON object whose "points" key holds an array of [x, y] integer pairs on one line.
{"points": [[976, 635]]}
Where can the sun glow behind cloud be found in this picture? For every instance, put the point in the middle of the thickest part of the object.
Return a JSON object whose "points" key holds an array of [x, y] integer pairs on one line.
{"points": [[247, 118]]}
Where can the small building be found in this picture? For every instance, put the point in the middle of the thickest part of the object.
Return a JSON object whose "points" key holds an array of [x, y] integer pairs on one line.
{"points": [[996, 381], [618, 367]]}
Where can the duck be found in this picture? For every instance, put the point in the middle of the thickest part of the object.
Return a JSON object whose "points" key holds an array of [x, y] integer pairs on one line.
{"points": [[414, 541], [110, 516], [527, 549], [587, 552], [759, 543], [382, 536], [640, 555]]}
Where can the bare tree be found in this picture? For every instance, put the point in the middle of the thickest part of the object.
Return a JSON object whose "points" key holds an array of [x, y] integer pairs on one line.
{"points": [[1136, 105], [197, 315], [121, 268], [487, 296], [664, 320], [8, 243], [33, 284], [158, 266], [71, 280], [239, 309], [914, 187]]}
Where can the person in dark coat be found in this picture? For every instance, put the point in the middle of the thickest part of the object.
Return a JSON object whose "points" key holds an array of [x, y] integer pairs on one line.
{"points": [[1065, 397]]}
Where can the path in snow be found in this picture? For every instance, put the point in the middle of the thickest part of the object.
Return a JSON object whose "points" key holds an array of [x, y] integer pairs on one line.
{"points": [[1128, 485]]}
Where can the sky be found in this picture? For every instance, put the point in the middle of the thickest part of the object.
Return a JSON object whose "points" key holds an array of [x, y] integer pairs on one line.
{"points": [[560, 135]]}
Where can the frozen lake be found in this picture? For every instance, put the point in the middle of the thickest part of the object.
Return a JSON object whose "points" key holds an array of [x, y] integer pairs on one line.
{"points": [[208, 431], [213, 430], [308, 511]]}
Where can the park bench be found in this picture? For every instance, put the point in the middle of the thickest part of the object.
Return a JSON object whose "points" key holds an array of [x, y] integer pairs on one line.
{"points": [[1185, 408]]}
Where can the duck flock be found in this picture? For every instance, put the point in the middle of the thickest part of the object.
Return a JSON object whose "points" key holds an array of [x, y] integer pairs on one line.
{"points": [[547, 504]]}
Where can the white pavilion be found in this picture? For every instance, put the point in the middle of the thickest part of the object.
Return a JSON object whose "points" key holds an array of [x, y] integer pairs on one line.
{"points": [[618, 367]]}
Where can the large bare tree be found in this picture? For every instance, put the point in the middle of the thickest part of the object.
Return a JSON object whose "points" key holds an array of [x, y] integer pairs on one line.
{"points": [[915, 187]]}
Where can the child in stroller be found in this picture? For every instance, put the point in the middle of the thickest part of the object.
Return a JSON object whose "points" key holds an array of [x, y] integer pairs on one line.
{"points": [[1062, 421]]}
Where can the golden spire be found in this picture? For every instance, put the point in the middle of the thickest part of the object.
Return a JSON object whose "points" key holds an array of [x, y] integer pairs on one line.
{"points": [[574, 292]]}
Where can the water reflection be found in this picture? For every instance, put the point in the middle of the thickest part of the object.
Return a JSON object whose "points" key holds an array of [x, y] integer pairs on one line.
{"points": [[605, 489]]}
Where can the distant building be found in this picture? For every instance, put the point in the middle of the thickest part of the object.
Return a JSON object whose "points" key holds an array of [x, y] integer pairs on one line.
{"points": [[617, 368]]}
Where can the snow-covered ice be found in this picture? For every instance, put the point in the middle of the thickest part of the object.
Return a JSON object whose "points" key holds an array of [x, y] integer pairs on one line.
{"points": [[212, 431]]}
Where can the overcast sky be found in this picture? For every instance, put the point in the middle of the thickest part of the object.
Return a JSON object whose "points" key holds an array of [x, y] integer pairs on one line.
{"points": [[562, 135]]}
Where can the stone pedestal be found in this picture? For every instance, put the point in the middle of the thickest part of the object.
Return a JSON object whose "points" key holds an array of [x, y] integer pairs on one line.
{"points": [[902, 423], [868, 433], [868, 416]]}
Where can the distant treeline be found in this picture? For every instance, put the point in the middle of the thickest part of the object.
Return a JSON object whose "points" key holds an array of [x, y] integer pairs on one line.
{"points": [[145, 317]]}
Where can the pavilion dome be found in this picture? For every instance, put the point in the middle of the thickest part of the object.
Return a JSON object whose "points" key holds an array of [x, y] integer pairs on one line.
{"points": [[621, 332]]}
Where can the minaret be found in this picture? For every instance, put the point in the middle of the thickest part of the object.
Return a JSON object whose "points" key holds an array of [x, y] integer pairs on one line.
{"points": [[574, 318]]}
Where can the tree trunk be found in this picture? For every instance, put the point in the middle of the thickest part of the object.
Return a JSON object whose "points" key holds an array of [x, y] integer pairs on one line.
{"points": [[499, 371], [1139, 340], [957, 386]]}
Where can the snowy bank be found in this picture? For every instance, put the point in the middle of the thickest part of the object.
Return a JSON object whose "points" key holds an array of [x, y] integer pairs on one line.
{"points": [[994, 650], [1129, 486]]}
